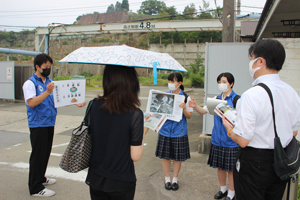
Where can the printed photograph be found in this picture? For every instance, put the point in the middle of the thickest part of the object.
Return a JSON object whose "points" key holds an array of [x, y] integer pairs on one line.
{"points": [[162, 103]]}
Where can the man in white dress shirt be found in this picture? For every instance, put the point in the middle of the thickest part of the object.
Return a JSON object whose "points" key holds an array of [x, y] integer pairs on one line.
{"points": [[254, 176]]}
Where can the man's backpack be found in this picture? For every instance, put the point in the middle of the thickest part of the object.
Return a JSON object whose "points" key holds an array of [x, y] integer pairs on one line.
{"points": [[235, 100]]}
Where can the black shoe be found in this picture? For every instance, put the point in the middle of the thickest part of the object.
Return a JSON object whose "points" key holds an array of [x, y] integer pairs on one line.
{"points": [[168, 186], [220, 195], [228, 198], [175, 186]]}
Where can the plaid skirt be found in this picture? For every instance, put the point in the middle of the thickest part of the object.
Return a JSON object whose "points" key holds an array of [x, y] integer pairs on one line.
{"points": [[173, 148], [222, 157]]}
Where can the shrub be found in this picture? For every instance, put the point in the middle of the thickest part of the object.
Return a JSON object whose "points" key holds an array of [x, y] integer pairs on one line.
{"points": [[59, 78], [26, 57], [187, 83], [196, 80], [66, 42], [95, 40], [86, 74], [104, 40], [163, 76]]}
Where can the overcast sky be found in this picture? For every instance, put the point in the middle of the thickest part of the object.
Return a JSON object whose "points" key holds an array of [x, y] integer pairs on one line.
{"points": [[27, 14]]}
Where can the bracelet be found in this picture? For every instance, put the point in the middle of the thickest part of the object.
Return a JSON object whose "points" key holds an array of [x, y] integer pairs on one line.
{"points": [[229, 131]]}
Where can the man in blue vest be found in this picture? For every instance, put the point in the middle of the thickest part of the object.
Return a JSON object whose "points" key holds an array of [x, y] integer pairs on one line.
{"points": [[41, 115]]}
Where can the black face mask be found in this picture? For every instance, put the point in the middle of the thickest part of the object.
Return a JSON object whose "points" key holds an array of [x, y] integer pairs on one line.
{"points": [[46, 72]]}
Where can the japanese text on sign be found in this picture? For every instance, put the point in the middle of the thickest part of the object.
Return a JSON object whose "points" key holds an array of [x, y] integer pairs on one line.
{"points": [[143, 25]]}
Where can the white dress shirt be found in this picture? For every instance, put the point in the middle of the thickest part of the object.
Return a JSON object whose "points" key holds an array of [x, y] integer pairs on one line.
{"points": [[254, 119], [29, 90]]}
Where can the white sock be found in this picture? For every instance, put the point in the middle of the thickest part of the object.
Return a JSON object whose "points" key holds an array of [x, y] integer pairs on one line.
{"points": [[223, 189], [231, 194], [174, 180], [167, 179]]}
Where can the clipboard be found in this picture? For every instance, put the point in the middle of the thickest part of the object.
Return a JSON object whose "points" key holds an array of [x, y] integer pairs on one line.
{"points": [[211, 103]]}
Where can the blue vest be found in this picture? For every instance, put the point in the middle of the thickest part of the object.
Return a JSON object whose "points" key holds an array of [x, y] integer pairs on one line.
{"points": [[219, 135], [44, 114], [173, 128]]}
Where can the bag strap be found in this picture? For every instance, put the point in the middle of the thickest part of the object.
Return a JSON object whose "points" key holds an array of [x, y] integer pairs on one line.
{"points": [[236, 97], [186, 96], [272, 103], [86, 120]]}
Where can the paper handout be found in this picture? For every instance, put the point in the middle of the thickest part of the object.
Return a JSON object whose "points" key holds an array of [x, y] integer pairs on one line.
{"points": [[68, 92], [154, 121], [211, 103], [165, 104], [227, 111]]}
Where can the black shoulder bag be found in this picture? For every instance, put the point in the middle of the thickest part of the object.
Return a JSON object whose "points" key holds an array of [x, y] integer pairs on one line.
{"points": [[286, 160], [78, 153]]}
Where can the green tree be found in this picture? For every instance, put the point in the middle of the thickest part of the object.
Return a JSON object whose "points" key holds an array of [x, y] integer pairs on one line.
{"points": [[11, 38], [118, 6], [197, 65], [110, 8], [125, 5], [218, 13], [150, 7], [204, 11], [78, 18], [170, 11], [189, 11]]}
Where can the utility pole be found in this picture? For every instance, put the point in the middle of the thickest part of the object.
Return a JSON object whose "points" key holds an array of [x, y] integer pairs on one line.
{"points": [[238, 7], [228, 21]]}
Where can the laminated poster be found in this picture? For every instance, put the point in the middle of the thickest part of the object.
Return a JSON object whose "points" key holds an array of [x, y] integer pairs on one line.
{"points": [[68, 92]]}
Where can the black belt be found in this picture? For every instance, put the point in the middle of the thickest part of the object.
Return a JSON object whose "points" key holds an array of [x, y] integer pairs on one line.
{"points": [[247, 149]]}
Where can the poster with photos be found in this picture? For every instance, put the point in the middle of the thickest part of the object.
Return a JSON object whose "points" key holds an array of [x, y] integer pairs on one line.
{"points": [[68, 92]]}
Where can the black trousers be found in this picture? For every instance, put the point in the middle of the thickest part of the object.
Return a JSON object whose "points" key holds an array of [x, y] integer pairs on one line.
{"points": [[256, 178], [100, 195], [41, 139]]}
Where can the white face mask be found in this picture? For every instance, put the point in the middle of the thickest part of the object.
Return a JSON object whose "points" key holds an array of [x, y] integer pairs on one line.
{"points": [[252, 71], [172, 86], [223, 87]]}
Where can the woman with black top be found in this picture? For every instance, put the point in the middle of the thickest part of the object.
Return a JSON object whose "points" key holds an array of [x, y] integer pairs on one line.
{"points": [[116, 126]]}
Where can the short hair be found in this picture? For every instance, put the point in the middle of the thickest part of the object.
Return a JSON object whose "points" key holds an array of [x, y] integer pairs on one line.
{"points": [[42, 58], [120, 89], [177, 77], [229, 76], [271, 50]]}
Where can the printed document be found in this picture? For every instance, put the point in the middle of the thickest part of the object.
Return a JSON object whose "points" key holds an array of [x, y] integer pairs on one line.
{"points": [[165, 104], [68, 92]]}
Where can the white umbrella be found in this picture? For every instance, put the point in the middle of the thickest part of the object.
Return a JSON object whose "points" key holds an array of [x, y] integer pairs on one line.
{"points": [[124, 56]]}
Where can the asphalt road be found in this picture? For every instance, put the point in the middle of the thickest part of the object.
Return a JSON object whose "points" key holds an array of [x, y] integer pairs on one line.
{"points": [[196, 179]]}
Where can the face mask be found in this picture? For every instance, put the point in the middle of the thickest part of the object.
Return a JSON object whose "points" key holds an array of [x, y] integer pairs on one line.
{"points": [[46, 72], [252, 71], [223, 87], [172, 86]]}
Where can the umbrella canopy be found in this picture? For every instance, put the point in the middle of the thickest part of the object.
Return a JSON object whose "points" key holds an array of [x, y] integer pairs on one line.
{"points": [[124, 56]]}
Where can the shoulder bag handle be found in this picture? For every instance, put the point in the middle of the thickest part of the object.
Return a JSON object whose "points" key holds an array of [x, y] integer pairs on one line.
{"points": [[86, 120], [272, 103]]}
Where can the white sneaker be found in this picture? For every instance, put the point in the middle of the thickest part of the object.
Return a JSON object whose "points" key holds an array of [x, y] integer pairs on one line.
{"points": [[44, 193], [50, 181]]}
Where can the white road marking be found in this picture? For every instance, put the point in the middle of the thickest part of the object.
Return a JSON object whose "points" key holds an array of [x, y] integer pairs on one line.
{"points": [[60, 145], [52, 154], [52, 171]]}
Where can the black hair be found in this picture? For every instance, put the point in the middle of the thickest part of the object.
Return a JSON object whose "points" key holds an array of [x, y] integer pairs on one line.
{"points": [[271, 50], [176, 77], [229, 77], [41, 59], [120, 89]]}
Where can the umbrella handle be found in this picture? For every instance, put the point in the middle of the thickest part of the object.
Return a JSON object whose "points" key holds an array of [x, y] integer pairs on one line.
{"points": [[154, 73]]}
